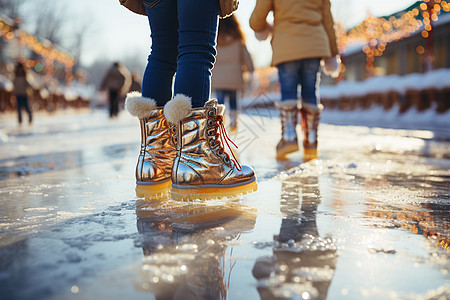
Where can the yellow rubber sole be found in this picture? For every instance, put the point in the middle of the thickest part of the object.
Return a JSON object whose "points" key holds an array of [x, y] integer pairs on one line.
{"points": [[206, 193], [310, 154], [233, 130], [153, 191], [281, 153]]}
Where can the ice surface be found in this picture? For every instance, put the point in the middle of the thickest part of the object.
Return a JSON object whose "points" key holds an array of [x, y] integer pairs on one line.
{"points": [[368, 220]]}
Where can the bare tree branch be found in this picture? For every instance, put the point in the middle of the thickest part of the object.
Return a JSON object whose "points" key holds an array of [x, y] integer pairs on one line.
{"points": [[11, 8], [50, 22]]}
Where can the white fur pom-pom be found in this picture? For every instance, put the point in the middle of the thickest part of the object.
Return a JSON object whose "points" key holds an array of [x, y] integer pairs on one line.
{"points": [[139, 106], [286, 104], [178, 108], [220, 109]]}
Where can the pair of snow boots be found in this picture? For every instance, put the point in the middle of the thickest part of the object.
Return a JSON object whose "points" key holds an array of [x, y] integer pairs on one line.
{"points": [[183, 151], [310, 118]]}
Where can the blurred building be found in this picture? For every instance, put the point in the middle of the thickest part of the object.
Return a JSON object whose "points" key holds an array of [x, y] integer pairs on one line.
{"points": [[414, 40]]}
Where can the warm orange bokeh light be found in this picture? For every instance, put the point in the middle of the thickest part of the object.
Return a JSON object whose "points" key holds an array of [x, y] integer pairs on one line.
{"points": [[376, 33], [420, 49]]}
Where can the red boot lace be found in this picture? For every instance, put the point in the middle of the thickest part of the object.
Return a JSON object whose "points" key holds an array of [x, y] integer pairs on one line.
{"points": [[221, 136]]}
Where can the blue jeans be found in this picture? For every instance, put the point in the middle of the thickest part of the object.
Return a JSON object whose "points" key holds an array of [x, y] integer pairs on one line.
{"points": [[183, 36], [303, 72], [232, 97]]}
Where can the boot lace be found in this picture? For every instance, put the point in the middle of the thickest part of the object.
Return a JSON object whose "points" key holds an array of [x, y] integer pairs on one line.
{"points": [[222, 138]]}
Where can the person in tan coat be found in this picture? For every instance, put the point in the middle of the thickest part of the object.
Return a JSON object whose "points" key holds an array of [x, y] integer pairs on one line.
{"points": [[232, 60], [303, 34]]}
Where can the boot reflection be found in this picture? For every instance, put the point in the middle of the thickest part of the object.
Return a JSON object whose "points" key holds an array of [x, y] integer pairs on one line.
{"points": [[185, 246], [303, 263]]}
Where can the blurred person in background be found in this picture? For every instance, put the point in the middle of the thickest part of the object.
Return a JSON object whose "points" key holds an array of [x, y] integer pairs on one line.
{"points": [[183, 139], [21, 90], [232, 60], [116, 82], [303, 34]]}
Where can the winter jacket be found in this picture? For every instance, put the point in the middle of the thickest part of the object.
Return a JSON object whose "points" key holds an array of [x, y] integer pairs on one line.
{"points": [[232, 60], [21, 85], [136, 6], [302, 28], [117, 79]]}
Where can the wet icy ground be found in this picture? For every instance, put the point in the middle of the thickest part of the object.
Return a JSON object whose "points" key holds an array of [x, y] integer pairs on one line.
{"points": [[368, 220]]}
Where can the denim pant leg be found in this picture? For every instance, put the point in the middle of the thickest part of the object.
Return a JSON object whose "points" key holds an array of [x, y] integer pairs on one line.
{"points": [[20, 103], [232, 97], [162, 61], [288, 76], [221, 95], [113, 103], [23, 102], [198, 21], [305, 72], [28, 109], [310, 80]]}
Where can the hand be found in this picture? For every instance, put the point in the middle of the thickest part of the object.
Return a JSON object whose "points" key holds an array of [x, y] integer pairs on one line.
{"points": [[248, 77], [332, 66], [263, 35]]}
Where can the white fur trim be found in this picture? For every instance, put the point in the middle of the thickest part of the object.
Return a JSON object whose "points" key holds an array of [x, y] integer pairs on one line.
{"points": [[311, 108], [220, 109], [286, 103], [139, 106], [178, 108]]}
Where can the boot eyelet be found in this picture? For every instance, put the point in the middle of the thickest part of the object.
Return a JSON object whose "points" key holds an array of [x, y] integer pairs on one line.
{"points": [[210, 122], [212, 144], [210, 132], [211, 113]]}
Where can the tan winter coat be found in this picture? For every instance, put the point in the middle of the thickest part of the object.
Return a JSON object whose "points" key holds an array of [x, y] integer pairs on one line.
{"points": [[232, 60], [302, 28]]}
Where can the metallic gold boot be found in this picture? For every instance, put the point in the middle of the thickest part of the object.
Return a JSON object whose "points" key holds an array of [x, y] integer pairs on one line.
{"points": [[310, 124], [288, 116], [158, 148], [202, 169]]}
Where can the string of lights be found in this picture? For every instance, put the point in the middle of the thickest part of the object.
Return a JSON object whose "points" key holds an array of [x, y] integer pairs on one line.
{"points": [[47, 52], [374, 34]]}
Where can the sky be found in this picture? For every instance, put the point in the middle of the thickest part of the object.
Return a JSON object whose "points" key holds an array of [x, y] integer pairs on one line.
{"points": [[116, 33]]}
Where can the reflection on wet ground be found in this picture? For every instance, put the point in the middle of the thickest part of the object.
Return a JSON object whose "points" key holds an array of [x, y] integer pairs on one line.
{"points": [[368, 220], [185, 246], [302, 263]]}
